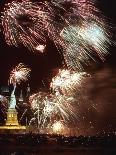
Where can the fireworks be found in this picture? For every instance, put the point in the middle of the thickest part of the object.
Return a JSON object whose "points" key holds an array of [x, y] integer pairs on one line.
{"points": [[66, 81], [83, 42], [4, 101], [3, 104], [44, 109], [85, 34], [49, 112], [19, 73], [40, 48], [49, 108], [60, 104], [58, 127], [74, 26], [79, 30], [29, 24]]}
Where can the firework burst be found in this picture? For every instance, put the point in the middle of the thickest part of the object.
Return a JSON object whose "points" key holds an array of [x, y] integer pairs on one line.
{"points": [[29, 24], [75, 26], [66, 81], [3, 104], [58, 127], [60, 104], [48, 108], [84, 42], [44, 110], [19, 73]]}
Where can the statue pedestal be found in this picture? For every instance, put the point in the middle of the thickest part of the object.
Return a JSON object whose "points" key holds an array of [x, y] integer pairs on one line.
{"points": [[12, 118], [12, 124]]}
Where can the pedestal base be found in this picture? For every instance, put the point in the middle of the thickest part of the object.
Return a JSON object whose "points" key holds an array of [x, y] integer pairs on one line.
{"points": [[8, 127], [12, 118], [12, 122]]}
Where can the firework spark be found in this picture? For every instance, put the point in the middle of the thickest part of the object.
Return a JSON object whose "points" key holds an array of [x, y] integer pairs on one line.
{"points": [[67, 80], [44, 109], [57, 106], [58, 127], [3, 104], [40, 48], [19, 73], [75, 26], [29, 24], [49, 108], [83, 42]]}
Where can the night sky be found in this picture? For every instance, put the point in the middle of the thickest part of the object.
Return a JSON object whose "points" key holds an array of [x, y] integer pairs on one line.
{"points": [[101, 88], [44, 65]]}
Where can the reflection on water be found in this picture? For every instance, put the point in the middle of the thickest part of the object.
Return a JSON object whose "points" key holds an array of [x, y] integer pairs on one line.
{"points": [[59, 152]]}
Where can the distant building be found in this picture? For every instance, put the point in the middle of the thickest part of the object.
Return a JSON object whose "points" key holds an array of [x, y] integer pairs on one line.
{"points": [[21, 97], [5, 90], [28, 91]]}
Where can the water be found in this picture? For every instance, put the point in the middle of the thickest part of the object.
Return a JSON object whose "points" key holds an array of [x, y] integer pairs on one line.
{"points": [[32, 151]]}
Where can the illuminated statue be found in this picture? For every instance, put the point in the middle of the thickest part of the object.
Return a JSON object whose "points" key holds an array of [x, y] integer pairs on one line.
{"points": [[18, 74], [13, 99]]}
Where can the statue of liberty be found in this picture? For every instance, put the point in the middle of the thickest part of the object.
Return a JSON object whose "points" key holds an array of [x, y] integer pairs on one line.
{"points": [[18, 74], [13, 99]]}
